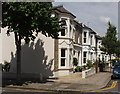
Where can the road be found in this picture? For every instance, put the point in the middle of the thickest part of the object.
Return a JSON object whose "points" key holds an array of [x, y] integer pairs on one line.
{"points": [[117, 87], [110, 89]]}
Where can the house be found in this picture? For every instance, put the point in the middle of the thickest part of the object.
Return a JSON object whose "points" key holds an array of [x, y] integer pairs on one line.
{"points": [[98, 46], [88, 44], [53, 57], [68, 45]]}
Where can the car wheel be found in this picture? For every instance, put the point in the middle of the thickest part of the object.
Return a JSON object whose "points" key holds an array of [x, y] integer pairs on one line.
{"points": [[112, 77]]}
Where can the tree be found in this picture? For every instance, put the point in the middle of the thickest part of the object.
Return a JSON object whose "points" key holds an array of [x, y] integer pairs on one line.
{"points": [[109, 40], [26, 20], [117, 49]]}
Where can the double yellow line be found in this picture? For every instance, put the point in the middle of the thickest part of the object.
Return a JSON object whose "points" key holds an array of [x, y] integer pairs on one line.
{"points": [[112, 86]]}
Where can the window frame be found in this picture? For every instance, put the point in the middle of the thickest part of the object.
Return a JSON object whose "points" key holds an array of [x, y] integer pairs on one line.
{"points": [[64, 21], [63, 33], [63, 57]]}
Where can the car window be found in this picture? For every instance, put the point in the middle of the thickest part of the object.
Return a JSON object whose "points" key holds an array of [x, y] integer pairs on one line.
{"points": [[117, 64]]}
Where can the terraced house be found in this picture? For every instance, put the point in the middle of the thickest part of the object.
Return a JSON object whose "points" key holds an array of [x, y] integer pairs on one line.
{"points": [[54, 57]]}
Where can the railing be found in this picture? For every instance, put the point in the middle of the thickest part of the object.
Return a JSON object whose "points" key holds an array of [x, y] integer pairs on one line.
{"points": [[89, 72]]}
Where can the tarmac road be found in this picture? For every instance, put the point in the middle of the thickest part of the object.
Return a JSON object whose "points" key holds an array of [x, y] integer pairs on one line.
{"points": [[116, 88]]}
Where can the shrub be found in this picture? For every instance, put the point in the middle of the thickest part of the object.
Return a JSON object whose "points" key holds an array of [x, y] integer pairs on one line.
{"points": [[89, 64], [78, 69], [84, 67], [6, 66]]}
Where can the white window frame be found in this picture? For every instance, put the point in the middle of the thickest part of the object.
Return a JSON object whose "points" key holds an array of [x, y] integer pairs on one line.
{"points": [[63, 57]]}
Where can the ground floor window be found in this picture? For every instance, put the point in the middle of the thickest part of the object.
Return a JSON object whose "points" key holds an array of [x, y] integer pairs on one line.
{"points": [[62, 61], [63, 56], [84, 57]]}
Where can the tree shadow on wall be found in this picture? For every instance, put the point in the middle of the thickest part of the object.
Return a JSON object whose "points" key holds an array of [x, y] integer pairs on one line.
{"points": [[33, 61]]}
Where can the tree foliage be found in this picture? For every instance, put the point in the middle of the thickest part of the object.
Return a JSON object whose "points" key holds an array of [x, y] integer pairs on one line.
{"points": [[26, 20], [109, 40], [29, 18]]}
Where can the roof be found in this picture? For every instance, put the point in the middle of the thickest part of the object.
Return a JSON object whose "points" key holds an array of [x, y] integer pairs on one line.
{"points": [[98, 37], [62, 10], [77, 23], [91, 31]]}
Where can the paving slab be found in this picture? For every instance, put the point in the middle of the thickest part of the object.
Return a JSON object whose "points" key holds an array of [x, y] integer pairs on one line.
{"points": [[73, 82]]}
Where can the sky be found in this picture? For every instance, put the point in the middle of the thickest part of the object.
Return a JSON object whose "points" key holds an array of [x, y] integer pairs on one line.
{"points": [[93, 14]]}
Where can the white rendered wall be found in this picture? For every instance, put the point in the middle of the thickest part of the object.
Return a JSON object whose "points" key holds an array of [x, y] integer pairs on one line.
{"points": [[1, 47], [8, 46], [37, 57]]}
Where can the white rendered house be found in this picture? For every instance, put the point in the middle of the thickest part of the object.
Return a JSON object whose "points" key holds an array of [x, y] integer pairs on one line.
{"points": [[88, 45], [68, 44], [46, 56]]}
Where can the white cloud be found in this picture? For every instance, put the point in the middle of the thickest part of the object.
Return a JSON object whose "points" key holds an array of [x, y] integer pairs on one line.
{"points": [[105, 19]]}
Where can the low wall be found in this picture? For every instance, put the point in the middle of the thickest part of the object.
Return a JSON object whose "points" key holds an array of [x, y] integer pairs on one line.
{"points": [[89, 72], [62, 73], [24, 76]]}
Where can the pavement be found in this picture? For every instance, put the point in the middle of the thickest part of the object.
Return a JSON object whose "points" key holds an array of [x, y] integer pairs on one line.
{"points": [[73, 82]]}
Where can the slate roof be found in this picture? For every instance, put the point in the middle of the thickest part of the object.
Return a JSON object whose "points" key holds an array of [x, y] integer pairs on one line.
{"points": [[91, 31], [61, 9], [98, 37]]}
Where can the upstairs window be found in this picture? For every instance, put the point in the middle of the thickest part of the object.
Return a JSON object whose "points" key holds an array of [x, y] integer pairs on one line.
{"points": [[84, 40], [91, 40], [63, 32], [64, 21]]}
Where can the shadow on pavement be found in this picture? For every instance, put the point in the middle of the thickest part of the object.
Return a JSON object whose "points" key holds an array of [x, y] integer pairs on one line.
{"points": [[6, 82]]}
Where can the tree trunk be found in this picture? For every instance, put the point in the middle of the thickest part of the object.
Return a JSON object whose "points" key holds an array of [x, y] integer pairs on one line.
{"points": [[18, 54]]}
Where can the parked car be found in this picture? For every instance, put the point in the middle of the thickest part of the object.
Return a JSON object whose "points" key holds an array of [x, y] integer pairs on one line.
{"points": [[116, 70]]}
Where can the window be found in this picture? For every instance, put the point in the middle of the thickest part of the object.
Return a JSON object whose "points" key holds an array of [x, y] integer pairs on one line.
{"points": [[63, 32], [84, 57], [62, 61], [63, 57], [63, 21], [73, 52], [84, 40], [91, 40], [62, 52]]}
